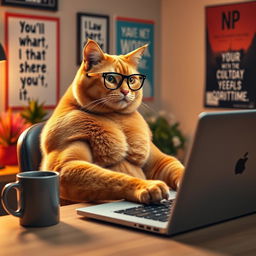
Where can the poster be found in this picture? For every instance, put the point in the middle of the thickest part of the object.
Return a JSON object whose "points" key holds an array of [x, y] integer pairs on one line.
{"points": [[92, 26], [32, 45], [231, 56], [50, 5], [131, 34]]}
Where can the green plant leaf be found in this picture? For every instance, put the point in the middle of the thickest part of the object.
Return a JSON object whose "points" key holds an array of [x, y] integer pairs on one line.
{"points": [[34, 112], [163, 134]]}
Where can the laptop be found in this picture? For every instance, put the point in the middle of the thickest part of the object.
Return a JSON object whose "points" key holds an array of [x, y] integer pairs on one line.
{"points": [[219, 182]]}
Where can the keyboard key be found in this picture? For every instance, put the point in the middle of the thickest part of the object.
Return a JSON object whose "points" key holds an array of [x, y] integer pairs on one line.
{"points": [[159, 212]]}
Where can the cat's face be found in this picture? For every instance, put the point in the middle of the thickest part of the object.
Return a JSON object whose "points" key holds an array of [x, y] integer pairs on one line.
{"points": [[104, 83]]}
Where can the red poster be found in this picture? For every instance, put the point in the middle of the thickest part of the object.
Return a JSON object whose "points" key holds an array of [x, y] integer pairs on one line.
{"points": [[231, 55], [33, 60]]}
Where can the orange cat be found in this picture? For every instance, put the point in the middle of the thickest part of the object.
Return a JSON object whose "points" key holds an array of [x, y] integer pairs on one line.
{"points": [[99, 142]]}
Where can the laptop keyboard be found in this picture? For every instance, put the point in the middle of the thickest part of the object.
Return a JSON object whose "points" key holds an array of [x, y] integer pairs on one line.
{"points": [[159, 212]]}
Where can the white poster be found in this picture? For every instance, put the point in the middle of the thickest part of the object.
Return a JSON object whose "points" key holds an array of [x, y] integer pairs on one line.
{"points": [[92, 26], [32, 44]]}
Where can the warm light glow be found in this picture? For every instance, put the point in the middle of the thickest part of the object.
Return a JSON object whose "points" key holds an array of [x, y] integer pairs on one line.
{"points": [[2, 84], [2, 77]]}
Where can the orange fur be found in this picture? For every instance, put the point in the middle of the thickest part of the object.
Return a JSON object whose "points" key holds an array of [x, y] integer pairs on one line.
{"points": [[100, 143]]}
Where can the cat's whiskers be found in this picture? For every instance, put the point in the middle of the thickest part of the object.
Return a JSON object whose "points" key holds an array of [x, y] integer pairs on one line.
{"points": [[100, 101], [147, 107], [110, 97], [120, 97], [131, 97], [115, 96], [97, 102], [91, 103]]}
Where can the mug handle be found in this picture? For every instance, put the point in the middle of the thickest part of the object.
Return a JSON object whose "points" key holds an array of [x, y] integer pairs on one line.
{"points": [[4, 198]]}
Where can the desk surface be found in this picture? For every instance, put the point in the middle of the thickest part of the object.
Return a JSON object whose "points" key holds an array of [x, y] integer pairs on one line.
{"points": [[8, 173], [76, 235]]}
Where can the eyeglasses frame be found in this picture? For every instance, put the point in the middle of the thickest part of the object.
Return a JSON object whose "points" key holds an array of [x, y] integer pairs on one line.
{"points": [[104, 74]]}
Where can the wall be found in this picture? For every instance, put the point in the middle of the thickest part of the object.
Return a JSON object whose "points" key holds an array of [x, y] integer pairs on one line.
{"points": [[179, 48], [143, 9], [183, 60]]}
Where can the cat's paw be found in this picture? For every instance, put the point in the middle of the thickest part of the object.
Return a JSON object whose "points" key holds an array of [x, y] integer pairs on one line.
{"points": [[153, 191]]}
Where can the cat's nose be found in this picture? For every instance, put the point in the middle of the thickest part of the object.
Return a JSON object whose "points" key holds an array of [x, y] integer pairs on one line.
{"points": [[124, 91]]}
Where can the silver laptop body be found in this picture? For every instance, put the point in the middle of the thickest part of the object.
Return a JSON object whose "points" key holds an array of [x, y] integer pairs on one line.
{"points": [[219, 181]]}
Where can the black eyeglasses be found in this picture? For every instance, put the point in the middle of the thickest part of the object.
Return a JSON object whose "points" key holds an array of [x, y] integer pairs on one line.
{"points": [[113, 80]]}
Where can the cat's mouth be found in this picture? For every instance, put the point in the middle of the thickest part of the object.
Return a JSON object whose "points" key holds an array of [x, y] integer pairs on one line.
{"points": [[122, 98], [122, 102], [119, 101], [125, 99]]}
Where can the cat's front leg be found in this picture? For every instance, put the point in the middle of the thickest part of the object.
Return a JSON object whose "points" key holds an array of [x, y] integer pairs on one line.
{"points": [[145, 191], [81, 180], [163, 167]]}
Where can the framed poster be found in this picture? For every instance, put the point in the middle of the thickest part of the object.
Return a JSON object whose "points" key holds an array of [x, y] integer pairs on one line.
{"points": [[92, 26], [32, 67], [131, 34], [230, 56], [50, 5]]}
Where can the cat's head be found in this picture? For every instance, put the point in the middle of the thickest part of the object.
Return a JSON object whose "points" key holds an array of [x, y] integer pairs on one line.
{"points": [[106, 83]]}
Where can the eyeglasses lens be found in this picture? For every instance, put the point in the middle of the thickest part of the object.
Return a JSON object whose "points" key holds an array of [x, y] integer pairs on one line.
{"points": [[135, 82], [112, 81]]}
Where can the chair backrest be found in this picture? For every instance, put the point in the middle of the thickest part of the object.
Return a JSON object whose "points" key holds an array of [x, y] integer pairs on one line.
{"points": [[28, 148]]}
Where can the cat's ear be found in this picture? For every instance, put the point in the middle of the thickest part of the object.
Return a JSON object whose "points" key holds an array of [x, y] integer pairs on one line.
{"points": [[92, 54], [136, 55]]}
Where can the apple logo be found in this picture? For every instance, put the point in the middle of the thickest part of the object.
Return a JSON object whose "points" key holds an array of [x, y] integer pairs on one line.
{"points": [[240, 164]]}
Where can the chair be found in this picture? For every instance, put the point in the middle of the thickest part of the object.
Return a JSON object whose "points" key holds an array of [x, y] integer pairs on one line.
{"points": [[28, 148], [29, 152]]}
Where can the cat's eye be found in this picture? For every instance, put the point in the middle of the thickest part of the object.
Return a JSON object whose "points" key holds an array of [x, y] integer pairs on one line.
{"points": [[132, 80], [110, 79], [135, 82]]}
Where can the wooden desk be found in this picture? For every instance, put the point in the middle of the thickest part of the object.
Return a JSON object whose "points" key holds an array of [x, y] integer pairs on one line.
{"points": [[8, 173], [75, 235]]}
